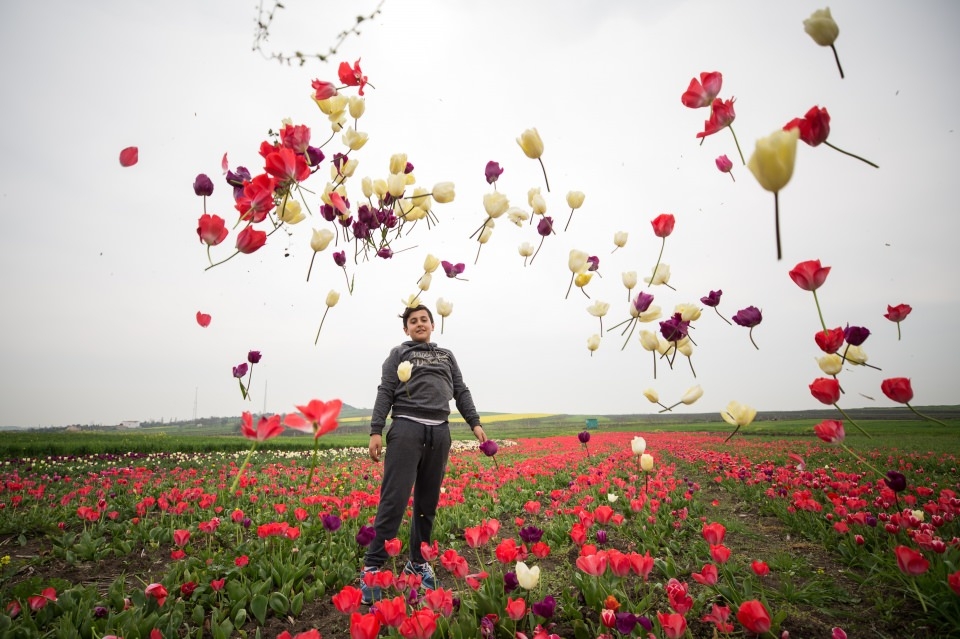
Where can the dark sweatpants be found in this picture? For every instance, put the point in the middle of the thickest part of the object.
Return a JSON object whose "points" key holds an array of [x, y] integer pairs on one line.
{"points": [[415, 459]]}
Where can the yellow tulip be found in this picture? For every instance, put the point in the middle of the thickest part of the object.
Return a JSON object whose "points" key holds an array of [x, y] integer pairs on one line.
{"points": [[575, 199], [629, 280], [527, 576], [652, 396], [649, 315], [290, 212], [424, 283], [404, 370], [538, 204], [495, 204], [443, 192], [577, 261], [620, 239], [598, 308], [430, 263], [321, 239], [831, 364], [593, 343], [688, 312], [353, 139], [582, 279], [821, 27], [366, 186], [692, 395], [646, 462], [517, 216], [526, 249], [531, 144], [357, 106], [772, 160], [738, 414], [444, 308], [638, 445], [396, 184], [380, 188], [422, 198], [398, 163], [649, 341], [661, 275], [332, 298], [855, 355]]}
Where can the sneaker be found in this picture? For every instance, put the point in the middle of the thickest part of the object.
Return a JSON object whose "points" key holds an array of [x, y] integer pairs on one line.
{"points": [[369, 594], [427, 577]]}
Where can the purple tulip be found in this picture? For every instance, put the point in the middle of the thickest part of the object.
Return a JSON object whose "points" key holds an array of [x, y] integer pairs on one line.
{"points": [[712, 299], [408, 169], [545, 608], [601, 536], [645, 622], [240, 370], [510, 582], [99, 612], [237, 179], [642, 303], [253, 357], [594, 263], [365, 535], [626, 622], [748, 317], [895, 481], [675, 328], [452, 270], [331, 523], [340, 258], [492, 171], [386, 253], [545, 226], [203, 185], [531, 534], [314, 155], [855, 335], [489, 448], [583, 436]]}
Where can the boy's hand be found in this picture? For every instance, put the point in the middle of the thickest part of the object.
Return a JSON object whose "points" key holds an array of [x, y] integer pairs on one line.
{"points": [[479, 434], [376, 447]]}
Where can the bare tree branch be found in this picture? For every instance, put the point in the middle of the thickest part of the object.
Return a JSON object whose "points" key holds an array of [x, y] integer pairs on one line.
{"points": [[262, 35]]}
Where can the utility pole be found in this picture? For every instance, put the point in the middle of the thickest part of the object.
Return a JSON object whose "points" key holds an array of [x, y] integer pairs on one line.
{"points": [[196, 392]]}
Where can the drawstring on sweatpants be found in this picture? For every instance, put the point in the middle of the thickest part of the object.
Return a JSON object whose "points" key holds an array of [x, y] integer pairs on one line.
{"points": [[428, 434]]}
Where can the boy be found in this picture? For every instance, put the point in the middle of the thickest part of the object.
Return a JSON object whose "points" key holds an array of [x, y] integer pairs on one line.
{"points": [[419, 442]]}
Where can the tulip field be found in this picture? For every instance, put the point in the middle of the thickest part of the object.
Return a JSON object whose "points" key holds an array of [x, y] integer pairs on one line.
{"points": [[553, 536]]}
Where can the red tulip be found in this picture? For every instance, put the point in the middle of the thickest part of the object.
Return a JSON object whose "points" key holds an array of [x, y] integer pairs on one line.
{"points": [[708, 576], [157, 591], [814, 126], [348, 600], [700, 93], [720, 553], [830, 340], [898, 389], [439, 600], [266, 428], [129, 156], [754, 616], [364, 626], [420, 625], [217, 584], [317, 417], [663, 224], [392, 546], [911, 562], [323, 90], [722, 115], [593, 565], [203, 319], [674, 624], [826, 390], [211, 229], [250, 239], [352, 76], [830, 431], [953, 580], [809, 275], [897, 313], [392, 612], [181, 537], [714, 533], [760, 568], [516, 608], [725, 165]]}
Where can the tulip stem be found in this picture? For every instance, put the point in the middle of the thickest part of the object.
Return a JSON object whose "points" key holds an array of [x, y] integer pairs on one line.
{"points": [[654, 276], [732, 434], [570, 218], [898, 324], [721, 316], [537, 251], [243, 466], [654, 353], [311, 265], [221, 261], [931, 419], [737, 142], [923, 603], [862, 460], [840, 68], [853, 155], [820, 313], [849, 419], [751, 340], [570, 287], [632, 327], [540, 160], [321, 326], [776, 221]]}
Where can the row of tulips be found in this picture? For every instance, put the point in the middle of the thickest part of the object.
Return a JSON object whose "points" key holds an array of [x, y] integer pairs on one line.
{"points": [[597, 537]]}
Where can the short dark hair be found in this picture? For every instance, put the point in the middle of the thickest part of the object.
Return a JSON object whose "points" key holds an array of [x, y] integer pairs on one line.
{"points": [[410, 310]]}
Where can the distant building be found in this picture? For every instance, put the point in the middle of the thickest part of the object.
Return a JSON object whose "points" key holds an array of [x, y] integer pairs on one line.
{"points": [[130, 424]]}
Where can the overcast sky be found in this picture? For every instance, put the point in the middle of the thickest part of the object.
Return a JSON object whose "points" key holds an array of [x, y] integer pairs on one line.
{"points": [[103, 273]]}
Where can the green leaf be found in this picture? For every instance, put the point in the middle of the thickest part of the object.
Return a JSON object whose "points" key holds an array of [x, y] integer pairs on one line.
{"points": [[580, 630], [279, 603], [296, 604], [240, 618], [198, 615], [258, 606]]}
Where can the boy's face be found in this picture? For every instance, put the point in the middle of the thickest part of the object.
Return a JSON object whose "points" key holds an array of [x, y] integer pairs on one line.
{"points": [[419, 327]]}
